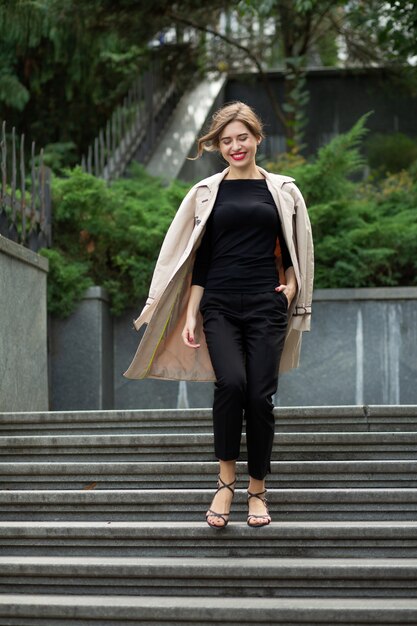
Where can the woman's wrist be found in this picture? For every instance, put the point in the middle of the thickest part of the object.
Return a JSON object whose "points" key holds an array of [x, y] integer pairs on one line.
{"points": [[291, 288], [190, 319], [291, 282]]}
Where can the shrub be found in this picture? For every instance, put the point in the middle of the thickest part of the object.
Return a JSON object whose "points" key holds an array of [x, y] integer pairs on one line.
{"points": [[327, 177], [390, 153], [365, 234], [110, 235], [367, 242], [67, 281]]}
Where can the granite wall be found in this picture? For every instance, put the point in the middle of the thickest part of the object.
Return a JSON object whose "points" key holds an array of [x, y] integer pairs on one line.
{"points": [[337, 98], [23, 329], [81, 355], [361, 350]]}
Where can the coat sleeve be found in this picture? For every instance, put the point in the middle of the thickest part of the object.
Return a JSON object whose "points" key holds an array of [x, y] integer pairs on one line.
{"points": [[171, 250], [305, 249]]}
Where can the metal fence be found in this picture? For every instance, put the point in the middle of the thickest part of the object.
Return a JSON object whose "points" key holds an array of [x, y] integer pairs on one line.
{"points": [[25, 208], [133, 129]]}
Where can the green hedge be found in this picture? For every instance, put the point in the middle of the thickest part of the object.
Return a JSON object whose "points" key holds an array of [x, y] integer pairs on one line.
{"points": [[389, 153], [365, 233], [108, 236]]}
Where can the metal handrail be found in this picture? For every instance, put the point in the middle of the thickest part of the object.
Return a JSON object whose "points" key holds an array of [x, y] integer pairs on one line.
{"points": [[26, 221], [133, 130]]}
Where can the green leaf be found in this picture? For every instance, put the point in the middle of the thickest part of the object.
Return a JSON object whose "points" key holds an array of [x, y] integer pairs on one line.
{"points": [[12, 92]]}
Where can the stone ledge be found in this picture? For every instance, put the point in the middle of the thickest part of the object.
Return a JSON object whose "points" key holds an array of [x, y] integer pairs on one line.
{"points": [[96, 293], [189, 576], [197, 469], [116, 417], [17, 251], [211, 610], [364, 293]]}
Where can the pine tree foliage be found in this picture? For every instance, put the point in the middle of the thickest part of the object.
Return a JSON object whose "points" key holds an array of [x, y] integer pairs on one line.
{"points": [[66, 64], [110, 236], [328, 175], [365, 233]]}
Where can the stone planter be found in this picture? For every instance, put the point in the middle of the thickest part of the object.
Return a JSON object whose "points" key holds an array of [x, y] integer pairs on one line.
{"points": [[23, 329], [361, 350], [81, 355]]}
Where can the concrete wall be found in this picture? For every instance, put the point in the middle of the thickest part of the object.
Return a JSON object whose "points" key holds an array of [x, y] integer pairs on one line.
{"points": [[361, 350], [23, 329], [81, 355], [338, 97]]}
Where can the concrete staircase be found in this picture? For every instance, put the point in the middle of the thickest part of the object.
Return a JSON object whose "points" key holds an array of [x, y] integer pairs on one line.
{"points": [[102, 521], [184, 126]]}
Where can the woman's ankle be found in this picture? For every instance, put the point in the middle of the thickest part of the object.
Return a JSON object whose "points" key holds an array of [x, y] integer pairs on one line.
{"points": [[256, 485], [227, 471]]}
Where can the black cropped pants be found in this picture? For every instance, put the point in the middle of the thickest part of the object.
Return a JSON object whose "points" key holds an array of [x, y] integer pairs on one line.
{"points": [[245, 334]]}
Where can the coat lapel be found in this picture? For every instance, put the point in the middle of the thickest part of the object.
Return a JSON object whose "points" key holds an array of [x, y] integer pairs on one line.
{"points": [[199, 210]]}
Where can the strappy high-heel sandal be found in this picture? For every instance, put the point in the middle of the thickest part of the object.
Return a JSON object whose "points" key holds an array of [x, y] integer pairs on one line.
{"points": [[262, 498], [223, 516]]}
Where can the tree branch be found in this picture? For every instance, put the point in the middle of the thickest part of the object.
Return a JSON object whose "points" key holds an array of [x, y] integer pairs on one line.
{"points": [[207, 29], [365, 52], [320, 18]]}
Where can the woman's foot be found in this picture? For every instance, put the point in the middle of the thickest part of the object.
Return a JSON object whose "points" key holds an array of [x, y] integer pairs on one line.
{"points": [[258, 514], [221, 502]]}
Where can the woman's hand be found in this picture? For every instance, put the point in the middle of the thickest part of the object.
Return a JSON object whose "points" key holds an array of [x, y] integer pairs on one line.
{"points": [[188, 335], [290, 289]]}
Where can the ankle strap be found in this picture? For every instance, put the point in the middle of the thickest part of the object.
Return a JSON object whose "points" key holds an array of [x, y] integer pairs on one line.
{"points": [[257, 495], [226, 485]]}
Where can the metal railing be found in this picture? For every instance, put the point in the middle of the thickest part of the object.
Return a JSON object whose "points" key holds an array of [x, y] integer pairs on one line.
{"points": [[25, 213], [133, 129]]}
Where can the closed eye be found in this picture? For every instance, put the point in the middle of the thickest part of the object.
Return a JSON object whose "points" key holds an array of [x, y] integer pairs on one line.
{"points": [[227, 140]]}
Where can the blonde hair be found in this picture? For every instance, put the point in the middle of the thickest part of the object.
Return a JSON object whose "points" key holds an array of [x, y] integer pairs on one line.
{"points": [[231, 112]]}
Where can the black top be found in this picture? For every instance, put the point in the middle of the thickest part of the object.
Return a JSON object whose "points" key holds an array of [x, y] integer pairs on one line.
{"points": [[237, 249]]}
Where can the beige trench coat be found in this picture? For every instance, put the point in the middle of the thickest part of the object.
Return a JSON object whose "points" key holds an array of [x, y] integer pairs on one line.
{"points": [[161, 352]]}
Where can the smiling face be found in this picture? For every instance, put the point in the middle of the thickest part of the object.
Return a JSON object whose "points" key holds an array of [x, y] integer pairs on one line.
{"points": [[238, 145]]}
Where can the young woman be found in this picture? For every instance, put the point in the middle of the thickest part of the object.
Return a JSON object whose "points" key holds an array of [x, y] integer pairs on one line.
{"points": [[234, 280]]}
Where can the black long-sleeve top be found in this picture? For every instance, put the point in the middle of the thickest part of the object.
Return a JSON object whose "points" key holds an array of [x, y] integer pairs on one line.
{"points": [[238, 246]]}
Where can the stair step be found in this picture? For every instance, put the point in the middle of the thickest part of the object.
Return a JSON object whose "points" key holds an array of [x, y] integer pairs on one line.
{"points": [[104, 422], [187, 122], [190, 505], [188, 475], [158, 447], [50, 610], [288, 419], [246, 577], [187, 539], [105, 510]]}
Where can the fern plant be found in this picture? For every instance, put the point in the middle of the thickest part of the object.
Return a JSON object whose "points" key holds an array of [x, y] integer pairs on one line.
{"points": [[328, 176], [365, 234]]}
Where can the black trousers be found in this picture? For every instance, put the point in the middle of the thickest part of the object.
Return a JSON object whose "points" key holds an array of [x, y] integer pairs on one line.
{"points": [[245, 334]]}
